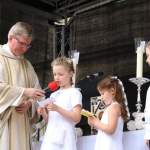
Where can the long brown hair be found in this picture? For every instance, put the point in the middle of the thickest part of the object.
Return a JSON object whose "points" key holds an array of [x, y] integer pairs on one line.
{"points": [[109, 82]]}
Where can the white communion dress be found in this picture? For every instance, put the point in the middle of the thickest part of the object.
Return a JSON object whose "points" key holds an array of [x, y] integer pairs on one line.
{"points": [[113, 141], [60, 132]]}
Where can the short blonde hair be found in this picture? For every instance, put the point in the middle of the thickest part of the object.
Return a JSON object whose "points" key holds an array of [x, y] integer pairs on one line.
{"points": [[21, 29], [63, 61]]}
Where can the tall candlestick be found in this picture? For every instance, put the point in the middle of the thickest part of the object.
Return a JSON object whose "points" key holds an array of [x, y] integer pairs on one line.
{"points": [[139, 64]]}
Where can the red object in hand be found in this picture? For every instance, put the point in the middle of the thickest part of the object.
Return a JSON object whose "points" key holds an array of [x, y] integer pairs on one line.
{"points": [[53, 86]]}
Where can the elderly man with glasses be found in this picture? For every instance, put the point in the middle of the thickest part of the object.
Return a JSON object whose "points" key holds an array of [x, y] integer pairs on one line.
{"points": [[19, 88]]}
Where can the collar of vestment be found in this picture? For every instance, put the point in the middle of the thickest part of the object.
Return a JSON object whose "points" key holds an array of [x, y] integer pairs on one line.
{"points": [[5, 51]]}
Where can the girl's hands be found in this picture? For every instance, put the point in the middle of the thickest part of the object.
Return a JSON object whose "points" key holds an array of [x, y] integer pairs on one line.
{"points": [[51, 106], [73, 115], [92, 121], [42, 111], [146, 142]]}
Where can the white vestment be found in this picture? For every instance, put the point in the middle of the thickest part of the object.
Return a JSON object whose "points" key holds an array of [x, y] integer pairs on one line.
{"points": [[16, 73], [147, 116]]}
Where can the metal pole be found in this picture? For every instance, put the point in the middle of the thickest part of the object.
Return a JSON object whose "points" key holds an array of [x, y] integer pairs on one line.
{"points": [[63, 41]]}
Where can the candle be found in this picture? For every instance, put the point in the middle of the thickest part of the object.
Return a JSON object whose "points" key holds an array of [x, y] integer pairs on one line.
{"points": [[139, 64], [75, 60], [74, 75]]}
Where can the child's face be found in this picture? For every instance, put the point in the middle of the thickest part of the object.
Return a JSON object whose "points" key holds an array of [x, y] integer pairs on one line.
{"points": [[107, 96], [62, 76]]}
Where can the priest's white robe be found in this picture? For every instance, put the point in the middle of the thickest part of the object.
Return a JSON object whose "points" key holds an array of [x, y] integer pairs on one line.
{"points": [[16, 73]]}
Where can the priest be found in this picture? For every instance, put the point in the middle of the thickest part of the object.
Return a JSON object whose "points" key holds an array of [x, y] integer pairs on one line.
{"points": [[19, 89]]}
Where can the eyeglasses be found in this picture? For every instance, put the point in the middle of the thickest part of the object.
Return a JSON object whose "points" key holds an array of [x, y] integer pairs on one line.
{"points": [[23, 43]]}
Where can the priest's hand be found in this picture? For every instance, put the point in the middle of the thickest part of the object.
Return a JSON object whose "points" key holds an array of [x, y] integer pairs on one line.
{"points": [[33, 93], [23, 107]]}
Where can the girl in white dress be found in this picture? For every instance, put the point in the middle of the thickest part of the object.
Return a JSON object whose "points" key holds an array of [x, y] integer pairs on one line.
{"points": [[110, 127], [64, 109]]}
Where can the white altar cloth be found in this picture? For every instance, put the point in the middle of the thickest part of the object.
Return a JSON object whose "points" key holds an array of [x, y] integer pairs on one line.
{"points": [[132, 140]]}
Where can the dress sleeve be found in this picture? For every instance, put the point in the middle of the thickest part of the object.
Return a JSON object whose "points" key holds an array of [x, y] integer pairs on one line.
{"points": [[1, 73], [147, 116], [9, 96], [76, 98]]}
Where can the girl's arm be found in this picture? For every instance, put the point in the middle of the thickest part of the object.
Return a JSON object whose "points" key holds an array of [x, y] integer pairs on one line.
{"points": [[114, 111], [73, 115], [42, 111]]}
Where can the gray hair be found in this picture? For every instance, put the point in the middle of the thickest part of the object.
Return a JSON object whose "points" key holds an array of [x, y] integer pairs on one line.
{"points": [[21, 29]]}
